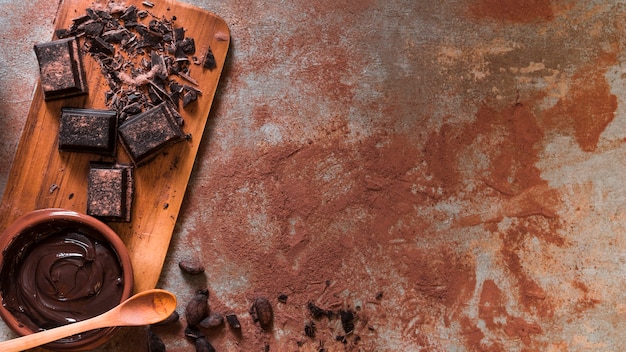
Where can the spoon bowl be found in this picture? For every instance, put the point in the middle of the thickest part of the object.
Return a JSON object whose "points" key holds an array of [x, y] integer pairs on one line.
{"points": [[147, 307]]}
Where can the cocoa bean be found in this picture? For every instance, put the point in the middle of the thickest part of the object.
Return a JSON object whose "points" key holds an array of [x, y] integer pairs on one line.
{"points": [[198, 308], [191, 267], [155, 344], [203, 345], [212, 321], [173, 318], [262, 312]]}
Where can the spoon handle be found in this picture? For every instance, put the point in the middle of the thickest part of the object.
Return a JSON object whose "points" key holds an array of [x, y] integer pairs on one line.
{"points": [[47, 336]]}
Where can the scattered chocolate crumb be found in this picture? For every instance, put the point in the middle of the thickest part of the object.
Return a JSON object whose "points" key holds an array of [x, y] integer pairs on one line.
{"points": [[166, 205], [282, 298], [316, 311], [70, 196], [379, 295], [233, 321], [347, 320], [309, 329]]}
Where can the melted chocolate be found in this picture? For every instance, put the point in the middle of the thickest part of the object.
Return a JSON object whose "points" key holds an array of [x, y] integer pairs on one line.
{"points": [[59, 275]]}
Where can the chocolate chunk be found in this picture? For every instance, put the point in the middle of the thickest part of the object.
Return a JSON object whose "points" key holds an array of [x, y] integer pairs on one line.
{"points": [[188, 46], [110, 191], [99, 45], [61, 68], [144, 135], [93, 29], [88, 130]]}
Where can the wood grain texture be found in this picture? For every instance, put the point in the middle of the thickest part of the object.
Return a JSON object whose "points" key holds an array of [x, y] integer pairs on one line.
{"points": [[159, 185]]}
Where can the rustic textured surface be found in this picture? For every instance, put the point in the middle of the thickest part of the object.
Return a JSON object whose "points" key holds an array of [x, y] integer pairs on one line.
{"points": [[462, 158]]}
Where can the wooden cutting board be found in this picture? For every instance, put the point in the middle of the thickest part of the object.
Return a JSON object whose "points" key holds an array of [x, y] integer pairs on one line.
{"points": [[43, 177]]}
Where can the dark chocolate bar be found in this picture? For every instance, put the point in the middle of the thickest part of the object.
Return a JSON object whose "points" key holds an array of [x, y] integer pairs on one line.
{"points": [[110, 191], [61, 68], [88, 130], [144, 135]]}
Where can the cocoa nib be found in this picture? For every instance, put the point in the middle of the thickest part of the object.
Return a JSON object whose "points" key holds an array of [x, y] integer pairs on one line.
{"points": [[233, 321]]}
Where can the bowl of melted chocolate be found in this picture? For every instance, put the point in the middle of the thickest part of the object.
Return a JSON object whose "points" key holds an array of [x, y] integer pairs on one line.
{"points": [[58, 267]]}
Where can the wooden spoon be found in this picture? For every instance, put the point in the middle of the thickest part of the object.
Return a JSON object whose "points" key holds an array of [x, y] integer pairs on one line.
{"points": [[147, 307]]}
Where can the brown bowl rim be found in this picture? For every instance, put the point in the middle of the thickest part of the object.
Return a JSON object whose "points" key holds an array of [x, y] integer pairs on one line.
{"points": [[41, 216]]}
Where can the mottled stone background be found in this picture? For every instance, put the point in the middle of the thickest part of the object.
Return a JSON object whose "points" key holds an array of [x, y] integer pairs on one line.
{"points": [[452, 171]]}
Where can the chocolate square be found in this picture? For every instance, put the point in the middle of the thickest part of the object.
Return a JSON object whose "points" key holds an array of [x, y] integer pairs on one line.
{"points": [[110, 191], [61, 68], [145, 134], [88, 130]]}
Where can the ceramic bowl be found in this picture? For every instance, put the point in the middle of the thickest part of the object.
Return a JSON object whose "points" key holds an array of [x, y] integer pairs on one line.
{"points": [[58, 266]]}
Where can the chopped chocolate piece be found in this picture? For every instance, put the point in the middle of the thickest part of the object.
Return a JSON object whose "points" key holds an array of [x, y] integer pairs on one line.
{"points": [[209, 60], [98, 45], [190, 96], [88, 130], [144, 135], [115, 35], [93, 29], [110, 191], [61, 68], [179, 34], [188, 46], [129, 15]]}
